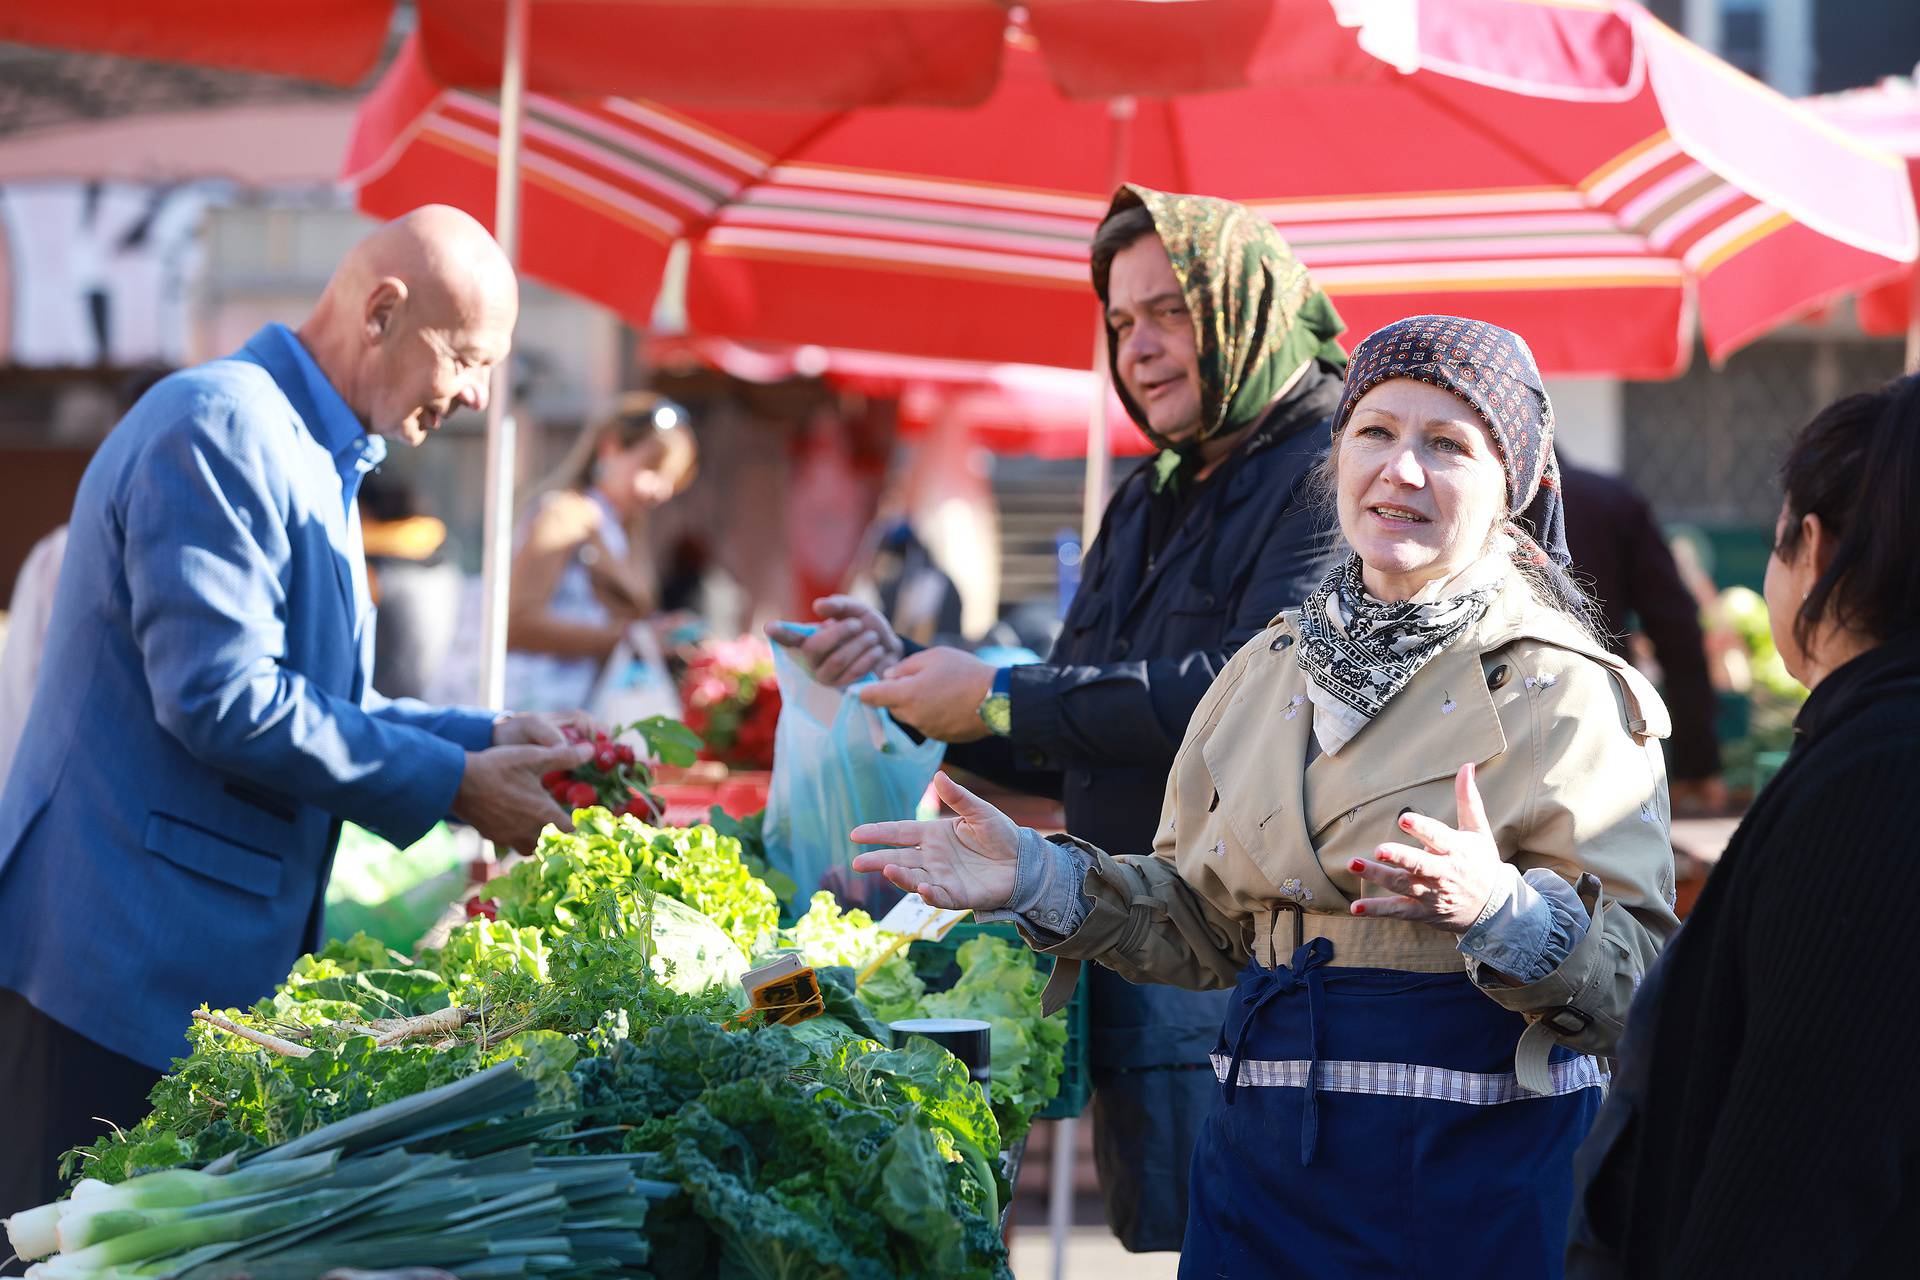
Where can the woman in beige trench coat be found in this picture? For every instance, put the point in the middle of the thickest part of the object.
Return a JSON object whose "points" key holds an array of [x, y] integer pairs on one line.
{"points": [[1420, 824]]}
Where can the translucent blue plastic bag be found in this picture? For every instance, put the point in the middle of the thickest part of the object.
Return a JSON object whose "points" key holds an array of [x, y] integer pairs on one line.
{"points": [[836, 764]]}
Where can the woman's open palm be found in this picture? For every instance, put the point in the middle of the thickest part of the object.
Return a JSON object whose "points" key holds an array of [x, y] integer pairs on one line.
{"points": [[964, 862]]}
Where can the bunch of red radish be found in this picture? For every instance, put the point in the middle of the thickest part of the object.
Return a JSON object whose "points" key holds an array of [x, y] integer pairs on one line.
{"points": [[613, 778]]}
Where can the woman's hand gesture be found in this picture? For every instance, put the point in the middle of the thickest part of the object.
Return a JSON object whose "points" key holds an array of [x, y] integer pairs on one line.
{"points": [[1445, 884], [959, 863]]}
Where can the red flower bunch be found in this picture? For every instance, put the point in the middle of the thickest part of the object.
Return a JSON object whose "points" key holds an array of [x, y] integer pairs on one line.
{"points": [[614, 778], [732, 701]]}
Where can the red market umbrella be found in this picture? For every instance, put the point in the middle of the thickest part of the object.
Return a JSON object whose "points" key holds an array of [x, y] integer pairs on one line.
{"points": [[1887, 116], [1576, 172], [338, 41], [794, 53]]}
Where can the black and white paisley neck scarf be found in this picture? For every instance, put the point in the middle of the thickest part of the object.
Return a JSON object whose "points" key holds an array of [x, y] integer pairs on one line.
{"points": [[1358, 652]]}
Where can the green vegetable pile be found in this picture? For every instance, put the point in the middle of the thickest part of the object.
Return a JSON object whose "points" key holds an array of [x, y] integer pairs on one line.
{"points": [[855, 1162], [998, 984], [849, 1161], [695, 865], [608, 987], [527, 994]]}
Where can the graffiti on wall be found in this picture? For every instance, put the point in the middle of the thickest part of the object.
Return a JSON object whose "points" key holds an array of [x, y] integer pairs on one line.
{"points": [[100, 273]]}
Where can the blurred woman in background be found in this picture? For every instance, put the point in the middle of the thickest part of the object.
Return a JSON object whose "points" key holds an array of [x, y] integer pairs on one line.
{"points": [[583, 571]]}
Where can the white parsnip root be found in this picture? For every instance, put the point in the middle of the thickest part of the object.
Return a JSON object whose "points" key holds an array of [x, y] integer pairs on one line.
{"points": [[441, 1022], [439, 1026], [285, 1048]]}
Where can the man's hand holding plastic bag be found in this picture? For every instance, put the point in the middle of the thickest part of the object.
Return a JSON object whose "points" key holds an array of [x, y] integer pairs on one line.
{"points": [[851, 642], [837, 763], [936, 691]]}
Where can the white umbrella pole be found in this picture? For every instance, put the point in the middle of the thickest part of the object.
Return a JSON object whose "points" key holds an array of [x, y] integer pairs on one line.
{"points": [[497, 554], [1099, 450], [1093, 504]]}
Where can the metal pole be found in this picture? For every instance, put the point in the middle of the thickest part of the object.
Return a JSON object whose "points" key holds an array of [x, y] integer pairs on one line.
{"points": [[1093, 500], [1060, 1191], [498, 538], [1099, 450], [1093, 503]]}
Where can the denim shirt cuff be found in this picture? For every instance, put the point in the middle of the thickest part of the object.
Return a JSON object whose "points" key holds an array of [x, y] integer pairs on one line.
{"points": [[1047, 897], [1529, 927]]}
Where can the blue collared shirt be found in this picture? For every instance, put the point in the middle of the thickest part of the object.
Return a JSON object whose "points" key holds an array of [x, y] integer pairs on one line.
{"points": [[339, 430], [355, 450]]}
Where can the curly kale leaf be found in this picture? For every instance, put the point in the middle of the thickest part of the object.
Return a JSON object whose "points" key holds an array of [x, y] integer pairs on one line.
{"points": [[782, 1202]]}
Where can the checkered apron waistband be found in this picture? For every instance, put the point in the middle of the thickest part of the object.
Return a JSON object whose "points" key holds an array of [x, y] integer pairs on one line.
{"points": [[1407, 1080]]}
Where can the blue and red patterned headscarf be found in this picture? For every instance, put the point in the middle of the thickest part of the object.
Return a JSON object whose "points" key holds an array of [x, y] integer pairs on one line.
{"points": [[1491, 369]]}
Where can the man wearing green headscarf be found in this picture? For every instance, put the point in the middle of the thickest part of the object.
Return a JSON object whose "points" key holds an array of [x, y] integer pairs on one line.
{"points": [[1223, 352]]}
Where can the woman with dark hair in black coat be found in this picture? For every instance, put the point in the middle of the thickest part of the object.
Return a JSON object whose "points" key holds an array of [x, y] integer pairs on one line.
{"points": [[1762, 1121]]}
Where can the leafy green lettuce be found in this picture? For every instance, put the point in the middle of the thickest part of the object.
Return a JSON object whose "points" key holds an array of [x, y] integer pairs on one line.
{"points": [[1000, 985], [694, 865]]}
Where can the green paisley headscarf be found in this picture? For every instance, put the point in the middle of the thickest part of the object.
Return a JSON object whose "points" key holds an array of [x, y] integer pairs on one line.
{"points": [[1258, 318]]}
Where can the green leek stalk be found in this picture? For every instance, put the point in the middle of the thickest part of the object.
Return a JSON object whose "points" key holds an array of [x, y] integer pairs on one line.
{"points": [[186, 1233], [100, 1211], [83, 1227]]}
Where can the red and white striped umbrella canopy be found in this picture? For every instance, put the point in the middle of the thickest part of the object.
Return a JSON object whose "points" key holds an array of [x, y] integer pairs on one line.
{"points": [[1003, 408], [1887, 116], [1574, 171]]}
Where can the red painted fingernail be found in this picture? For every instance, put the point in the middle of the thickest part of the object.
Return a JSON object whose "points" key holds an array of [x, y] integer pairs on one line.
{"points": [[1359, 908], [1356, 865], [1406, 823]]}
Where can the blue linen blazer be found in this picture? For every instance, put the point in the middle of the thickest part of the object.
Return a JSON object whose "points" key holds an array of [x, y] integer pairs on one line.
{"points": [[204, 716]]}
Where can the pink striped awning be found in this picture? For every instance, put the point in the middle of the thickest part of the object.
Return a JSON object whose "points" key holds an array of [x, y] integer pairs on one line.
{"points": [[1886, 116]]}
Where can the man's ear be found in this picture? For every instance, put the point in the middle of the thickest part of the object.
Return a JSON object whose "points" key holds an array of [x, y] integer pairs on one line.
{"points": [[384, 303]]}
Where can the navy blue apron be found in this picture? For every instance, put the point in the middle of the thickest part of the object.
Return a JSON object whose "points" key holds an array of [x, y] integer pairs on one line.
{"points": [[1369, 1125]]}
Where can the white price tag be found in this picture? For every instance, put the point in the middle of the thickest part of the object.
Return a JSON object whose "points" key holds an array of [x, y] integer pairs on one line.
{"points": [[912, 917]]}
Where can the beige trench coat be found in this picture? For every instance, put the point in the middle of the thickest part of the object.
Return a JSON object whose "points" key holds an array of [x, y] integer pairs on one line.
{"points": [[1566, 737]]}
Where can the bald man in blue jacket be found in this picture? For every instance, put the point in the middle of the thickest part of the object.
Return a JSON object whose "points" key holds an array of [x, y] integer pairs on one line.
{"points": [[204, 720]]}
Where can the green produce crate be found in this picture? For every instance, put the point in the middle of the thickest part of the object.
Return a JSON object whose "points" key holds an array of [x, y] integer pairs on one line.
{"points": [[1733, 716], [938, 966]]}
